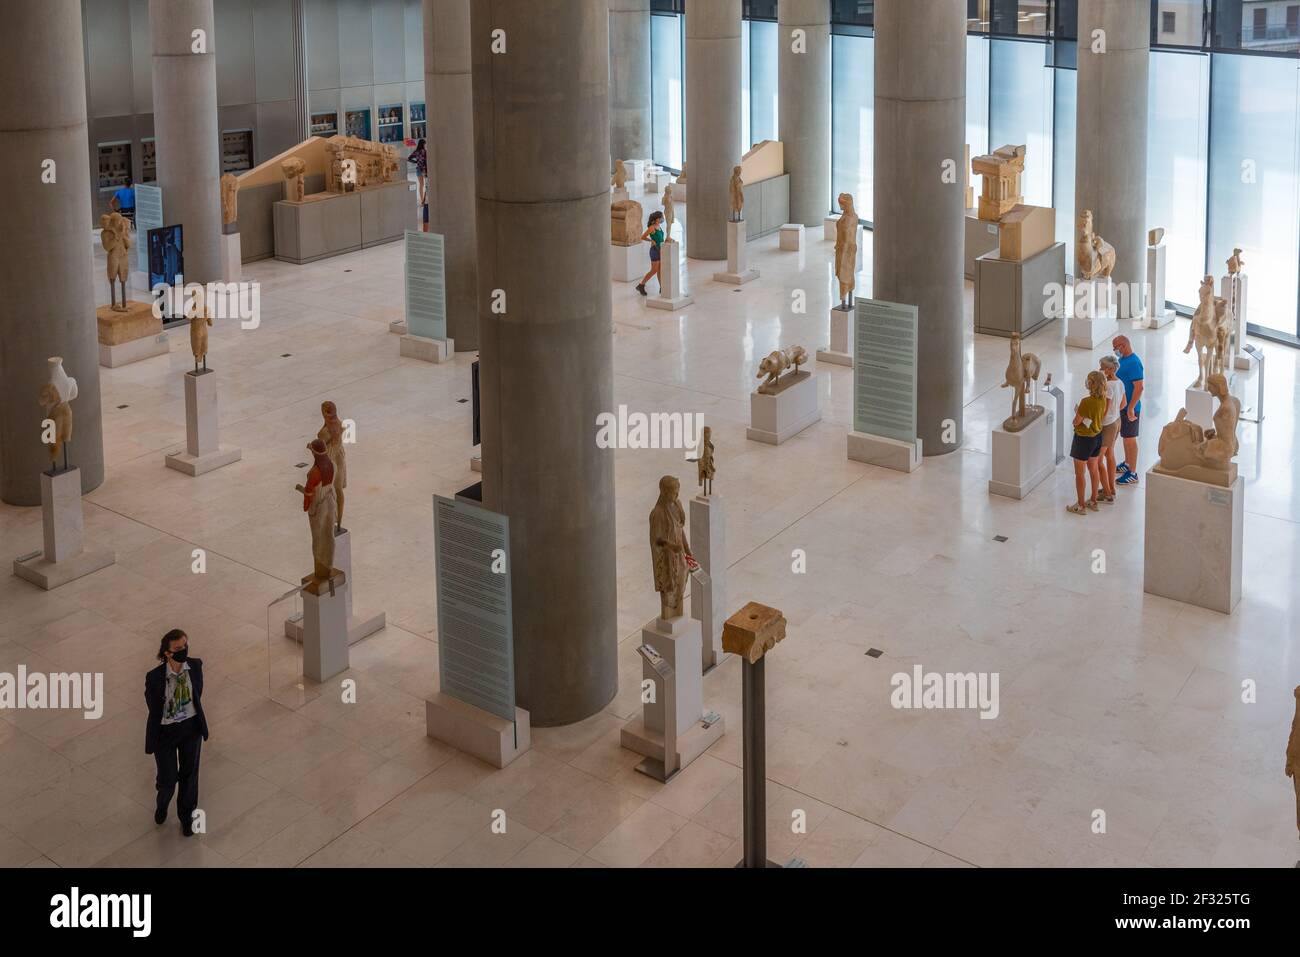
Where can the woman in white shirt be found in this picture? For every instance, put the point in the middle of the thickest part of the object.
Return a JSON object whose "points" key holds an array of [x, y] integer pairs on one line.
{"points": [[1115, 404]]}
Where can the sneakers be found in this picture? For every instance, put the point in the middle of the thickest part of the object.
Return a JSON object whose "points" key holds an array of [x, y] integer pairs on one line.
{"points": [[1123, 468], [1128, 478]]}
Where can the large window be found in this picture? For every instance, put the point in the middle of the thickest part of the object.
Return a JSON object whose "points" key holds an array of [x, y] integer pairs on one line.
{"points": [[667, 91], [853, 117], [1065, 118], [762, 73], [1020, 112]]}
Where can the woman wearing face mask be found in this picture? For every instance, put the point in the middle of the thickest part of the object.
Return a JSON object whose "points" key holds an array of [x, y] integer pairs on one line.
{"points": [[176, 727]]}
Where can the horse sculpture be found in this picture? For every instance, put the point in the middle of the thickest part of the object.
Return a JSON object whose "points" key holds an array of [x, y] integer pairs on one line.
{"points": [[1022, 369], [1211, 326]]}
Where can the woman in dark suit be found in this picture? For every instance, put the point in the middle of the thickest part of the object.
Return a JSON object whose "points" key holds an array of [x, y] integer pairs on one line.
{"points": [[176, 728]]}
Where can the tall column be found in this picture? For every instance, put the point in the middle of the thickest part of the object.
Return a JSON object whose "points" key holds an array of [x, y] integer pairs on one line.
{"points": [[45, 265], [185, 126], [1111, 133], [629, 79], [804, 103], [919, 214], [448, 92], [713, 59], [541, 134]]}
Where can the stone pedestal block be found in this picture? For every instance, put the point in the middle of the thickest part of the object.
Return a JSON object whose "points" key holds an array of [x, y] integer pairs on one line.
{"points": [[775, 418], [475, 731], [325, 631], [709, 600], [1193, 547], [738, 272], [1022, 460], [65, 557], [203, 450], [840, 352]]}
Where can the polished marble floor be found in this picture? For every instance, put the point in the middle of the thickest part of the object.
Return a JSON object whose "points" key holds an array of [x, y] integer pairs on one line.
{"points": [[1109, 699]]}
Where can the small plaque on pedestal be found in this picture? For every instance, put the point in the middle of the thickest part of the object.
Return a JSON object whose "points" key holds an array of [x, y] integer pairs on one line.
{"points": [[774, 418]]}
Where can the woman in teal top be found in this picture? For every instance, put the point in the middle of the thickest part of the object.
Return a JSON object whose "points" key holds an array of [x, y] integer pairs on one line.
{"points": [[654, 232]]}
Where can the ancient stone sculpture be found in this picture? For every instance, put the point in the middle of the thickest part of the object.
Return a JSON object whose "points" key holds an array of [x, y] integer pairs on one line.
{"points": [[669, 549], [294, 171], [1235, 263], [625, 224], [319, 503], [388, 160], [681, 177], [1095, 256], [705, 464], [670, 210], [199, 323], [620, 175], [846, 250], [1293, 755], [1211, 324], [1022, 369], [374, 162], [348, 175], [229, 198], [1001, 171], [1155, 236], [1203, 455], [58, 411], [115, 237], [778, 362], [737, 196], [66, 385], [331, 433]]}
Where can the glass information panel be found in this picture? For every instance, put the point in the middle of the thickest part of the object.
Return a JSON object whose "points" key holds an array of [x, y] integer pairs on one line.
{"points": [[426, 285], [148, 215], [884, 369]]}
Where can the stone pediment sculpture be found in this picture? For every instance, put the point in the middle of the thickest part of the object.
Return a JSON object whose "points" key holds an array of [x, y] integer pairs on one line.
{"points": [[115, 237], [331, 433], [1022, 371], [1156, 236], [321, 506], [737, 195], [1203, 455], [1235, 263], [375, 163], [1210, 328], [669, 549], [295, 171], [348, 175], [753, 631], [846, 250], [620, 176], [778, 362], [199, 324], [1094, 256], [1001, 171], [229, 198], [625, 223], [705, 467]]}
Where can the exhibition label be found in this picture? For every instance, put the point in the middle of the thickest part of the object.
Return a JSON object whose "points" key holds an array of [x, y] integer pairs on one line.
{"points": [[148, 215], [884, 369], [426, 287]]}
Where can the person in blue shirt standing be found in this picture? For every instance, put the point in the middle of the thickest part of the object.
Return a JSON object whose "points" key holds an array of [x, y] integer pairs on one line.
{"points": [[1130, 373], [123, 201]]}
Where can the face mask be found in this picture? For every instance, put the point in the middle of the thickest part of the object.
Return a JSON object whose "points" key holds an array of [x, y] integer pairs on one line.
{"points": [[180, 656]]}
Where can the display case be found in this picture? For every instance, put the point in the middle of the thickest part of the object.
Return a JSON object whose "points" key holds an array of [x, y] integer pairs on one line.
{"points": [[148, 160], [324, 124], [418, 125], [391, 125], [114, 165], [236, 151], [358, 124]]}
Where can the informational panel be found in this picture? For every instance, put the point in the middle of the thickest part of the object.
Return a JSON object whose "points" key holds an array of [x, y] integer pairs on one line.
{"points": [[884, 369], [148, 215], [426, 287], [475, 631]]}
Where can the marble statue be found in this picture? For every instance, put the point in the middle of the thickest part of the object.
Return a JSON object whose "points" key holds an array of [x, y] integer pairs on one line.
{"points": [[669, 549], [670, 210], [681, 177], [58, 411], [1022, 369], [294, 171], [1095, 256], [1203, 455], [1208, 333], [319, 502], [620, 175], [705, 464], [776, 363], [199, 323], [737, 196], [1235, 263], [229, 198], [1001, 171], [331, 433], [1293, 756], [625, 223], [846, 250], [115, 237], [66, 385], [1155, 236]]}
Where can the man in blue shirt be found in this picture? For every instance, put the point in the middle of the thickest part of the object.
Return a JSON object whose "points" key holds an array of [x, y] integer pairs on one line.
{"points": [[123, 200], [1130, 373]]}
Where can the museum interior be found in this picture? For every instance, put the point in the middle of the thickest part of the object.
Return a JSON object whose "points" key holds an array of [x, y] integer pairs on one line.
{"points": [[461, 277]]}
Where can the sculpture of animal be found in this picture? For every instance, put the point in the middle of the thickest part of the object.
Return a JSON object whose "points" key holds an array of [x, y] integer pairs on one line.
{"points": [[1022, 369], [60, 412], [777, 362], [1095, 256], [1209, 332]]}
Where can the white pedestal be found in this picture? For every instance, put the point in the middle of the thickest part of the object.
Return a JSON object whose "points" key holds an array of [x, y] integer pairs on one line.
{"points": [[885, 452], [325, 631], [476, 464], [203, 450], [1157, 313], [618, 196], [830, 226], [65, 557], [792, 237], [359, 626], [1094, 319], [635, 170], [426, 350], [841, 351], [672, 296], [658, 181], [398, 327], [1200, 406], [124, 353], [709, 602], [471, 729], [1022, 460], [1233, 289], [231, 257], [738, 272], [679, 192], [628, 263], [775, 418], [1193, 546]]}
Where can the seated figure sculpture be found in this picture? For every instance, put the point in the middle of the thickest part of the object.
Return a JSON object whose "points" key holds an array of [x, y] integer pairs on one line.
{"points": [[1095, 257], [1203, 455]]}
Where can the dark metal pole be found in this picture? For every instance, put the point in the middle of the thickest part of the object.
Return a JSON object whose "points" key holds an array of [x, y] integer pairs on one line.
{"points": [[754, 750]]}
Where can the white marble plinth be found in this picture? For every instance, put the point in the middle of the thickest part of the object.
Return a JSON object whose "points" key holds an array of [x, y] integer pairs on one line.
{"points": [[775, 418], [64, 557], [1158, 314], [124, 353], [885, 452], [1094, 319], [709, 601], [830, 226], [471, 729], [658, 181], [792, 237], [679, 192], [1193, 547], [840, 352], [398, 327], [738, 272], [628, 263], [635, 170], [1200, 406], [231, 257], [671, 295], [359, 625], [425, 349], [325, 631], [1022, 460], [203, 449]]}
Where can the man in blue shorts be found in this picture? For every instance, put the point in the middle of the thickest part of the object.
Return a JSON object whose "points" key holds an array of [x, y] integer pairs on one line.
{"points": [[1130, 373]]}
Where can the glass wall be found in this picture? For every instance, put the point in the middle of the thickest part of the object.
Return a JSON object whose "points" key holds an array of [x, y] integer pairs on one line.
{"points": [[668, 89], [763, 73], [1021, 99], [977, 95], [1065, 98], [853, 117]]}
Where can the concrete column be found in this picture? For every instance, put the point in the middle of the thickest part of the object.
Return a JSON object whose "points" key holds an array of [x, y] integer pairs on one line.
{"points": [[919, 218], [630, 134], [45, 263], [541, 134], [713, 59], [1111, 134], [185, 125], [448, 93], [804, 104]]}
